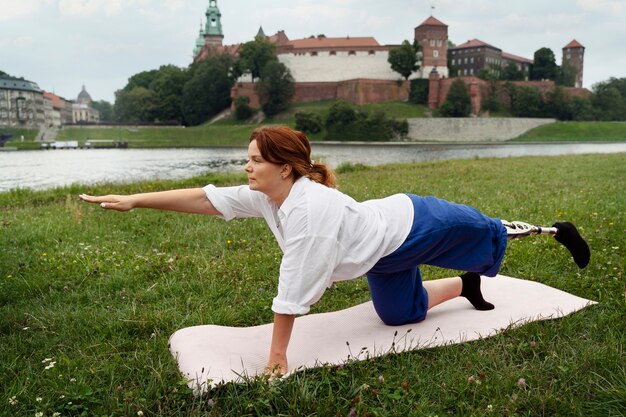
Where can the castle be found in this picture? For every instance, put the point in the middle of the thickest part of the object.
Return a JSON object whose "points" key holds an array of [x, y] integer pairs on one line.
{"points": [[356, 69]]}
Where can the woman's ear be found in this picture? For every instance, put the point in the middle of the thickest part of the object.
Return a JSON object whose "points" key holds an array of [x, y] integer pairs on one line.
{"points": [[285, 171]]}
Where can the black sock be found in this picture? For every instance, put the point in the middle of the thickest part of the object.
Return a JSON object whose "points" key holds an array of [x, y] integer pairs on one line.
{"points": [[471, 291], [569, 237]]}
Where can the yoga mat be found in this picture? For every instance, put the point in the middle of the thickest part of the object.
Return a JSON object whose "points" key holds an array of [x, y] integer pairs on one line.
{"points": [[209, 355]]}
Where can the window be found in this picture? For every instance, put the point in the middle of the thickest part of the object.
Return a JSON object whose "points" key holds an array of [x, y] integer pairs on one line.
{"points": [[351, 53], [332, 53], [452, 61], [314, 53], [439, 43], [213, 22], [466, 60], [432, 42], [371, 53], [436, 53], [471, 71], [472, 60]]}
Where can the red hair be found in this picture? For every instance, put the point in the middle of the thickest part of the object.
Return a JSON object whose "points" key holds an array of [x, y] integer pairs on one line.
{"points": [[283, 145]]}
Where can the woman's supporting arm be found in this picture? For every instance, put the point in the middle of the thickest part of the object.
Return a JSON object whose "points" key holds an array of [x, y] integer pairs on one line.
{"points": [[277, 362], [191, 200]]}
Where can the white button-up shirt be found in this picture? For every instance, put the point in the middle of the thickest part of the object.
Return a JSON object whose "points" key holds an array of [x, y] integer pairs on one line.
{"points": [[325, 235]]}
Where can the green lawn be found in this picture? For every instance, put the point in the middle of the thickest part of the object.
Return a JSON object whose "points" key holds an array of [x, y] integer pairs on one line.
{"points": [[89, 298], [577, 132]]}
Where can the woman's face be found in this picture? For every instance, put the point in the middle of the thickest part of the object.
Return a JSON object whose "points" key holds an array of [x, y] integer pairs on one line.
{"points": [[263, 176]]}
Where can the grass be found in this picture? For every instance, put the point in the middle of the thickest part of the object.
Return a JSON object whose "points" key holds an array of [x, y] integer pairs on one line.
{"points": [[88, 300], [577, 132]]}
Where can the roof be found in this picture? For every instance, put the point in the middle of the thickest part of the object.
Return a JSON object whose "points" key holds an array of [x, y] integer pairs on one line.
{"points": [[57, 102], [324, 42], [573, 44], [13, 83], [474, 43], [83, 96], [518, 58], [431, 21]]}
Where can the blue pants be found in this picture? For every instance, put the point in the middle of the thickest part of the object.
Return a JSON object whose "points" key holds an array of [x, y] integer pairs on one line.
{"points": [[443, 234]]}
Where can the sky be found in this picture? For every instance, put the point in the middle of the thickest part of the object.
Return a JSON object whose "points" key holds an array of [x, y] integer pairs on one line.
{"points": [[65, 44]]}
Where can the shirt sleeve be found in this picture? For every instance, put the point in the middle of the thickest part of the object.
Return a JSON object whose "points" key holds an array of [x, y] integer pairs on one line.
{"points": [[305, 273], [236, 202]]}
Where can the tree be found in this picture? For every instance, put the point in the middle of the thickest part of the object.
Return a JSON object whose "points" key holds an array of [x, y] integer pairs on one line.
{"points": [[275, 88], [566, 75], [526, 101], [254, 55], [135, 106], [142, 79], [458, 102], [492, 101], [168, 84], [511, 72], [105, 108], [544, 66], [558, 104], [403, 59], [207, 92], [608, 101]]}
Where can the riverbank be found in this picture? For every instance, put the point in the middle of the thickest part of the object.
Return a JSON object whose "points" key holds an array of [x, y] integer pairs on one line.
{"points": [[89, 299], [229, 132]]}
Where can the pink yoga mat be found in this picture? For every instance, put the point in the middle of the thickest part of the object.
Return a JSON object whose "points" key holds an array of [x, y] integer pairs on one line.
{"points": [[209, 355]]}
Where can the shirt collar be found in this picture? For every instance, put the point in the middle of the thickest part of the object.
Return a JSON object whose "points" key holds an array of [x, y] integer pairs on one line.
{"points": [[297, 189]]}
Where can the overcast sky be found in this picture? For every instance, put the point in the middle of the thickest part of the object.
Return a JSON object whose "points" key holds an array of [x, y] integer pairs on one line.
{"points": [[63, 44]]}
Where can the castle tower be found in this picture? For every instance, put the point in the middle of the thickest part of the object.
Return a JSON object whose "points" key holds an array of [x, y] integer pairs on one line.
{"points": [[432, 36], [213, 35], [199, 42], [574, 53]]}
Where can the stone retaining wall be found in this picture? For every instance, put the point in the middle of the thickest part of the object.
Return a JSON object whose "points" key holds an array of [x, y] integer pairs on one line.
{"points": [[471, 129]]}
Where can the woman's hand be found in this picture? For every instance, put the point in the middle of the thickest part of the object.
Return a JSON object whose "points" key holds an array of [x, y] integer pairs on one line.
{"points": [[110, 202], [276, 367]]}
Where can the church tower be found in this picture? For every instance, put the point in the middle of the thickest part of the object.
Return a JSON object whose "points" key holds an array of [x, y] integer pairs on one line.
{"points": [[199, 42], [432, 37], [213, 35], [574, 53]]}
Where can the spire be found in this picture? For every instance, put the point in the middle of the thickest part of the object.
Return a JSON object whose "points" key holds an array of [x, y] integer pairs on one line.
{"points": [[260, 32], [199, 41], [213, 19]]}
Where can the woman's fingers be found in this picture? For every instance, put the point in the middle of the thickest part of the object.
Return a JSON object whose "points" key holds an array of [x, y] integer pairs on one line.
{"points": [[114, 202]]}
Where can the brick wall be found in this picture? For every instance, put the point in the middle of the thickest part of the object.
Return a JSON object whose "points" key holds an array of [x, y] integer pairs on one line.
{"points": [[479, 90], [357, 91]]}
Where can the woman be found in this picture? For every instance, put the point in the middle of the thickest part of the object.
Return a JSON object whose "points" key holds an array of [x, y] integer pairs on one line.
{"points": [[326, 236]]}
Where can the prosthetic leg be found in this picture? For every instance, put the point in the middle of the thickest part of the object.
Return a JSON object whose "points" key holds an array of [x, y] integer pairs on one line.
{"points": [[565, 233]]}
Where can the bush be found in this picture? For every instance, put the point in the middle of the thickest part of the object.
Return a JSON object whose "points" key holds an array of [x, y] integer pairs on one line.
{"points": [[418, 94], [346, 122], [308, 122], [242, 108], [458, 102]]}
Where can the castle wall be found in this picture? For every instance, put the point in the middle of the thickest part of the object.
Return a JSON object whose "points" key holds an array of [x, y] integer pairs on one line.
{"points": [[342, 66], [357, 91], [464, 129]]}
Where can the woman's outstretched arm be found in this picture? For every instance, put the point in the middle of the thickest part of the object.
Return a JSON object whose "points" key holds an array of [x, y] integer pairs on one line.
{"points": [[191, 200]]}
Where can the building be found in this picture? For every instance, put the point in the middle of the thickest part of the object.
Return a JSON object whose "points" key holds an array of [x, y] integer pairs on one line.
{"points": [[82, 112], [574, 54], [471, 57], [332, 59], [21, 103], [432, 36], [61, 112]]}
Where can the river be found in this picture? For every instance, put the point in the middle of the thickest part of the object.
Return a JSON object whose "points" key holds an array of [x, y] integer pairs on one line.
{"points": [[50, 168]]}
